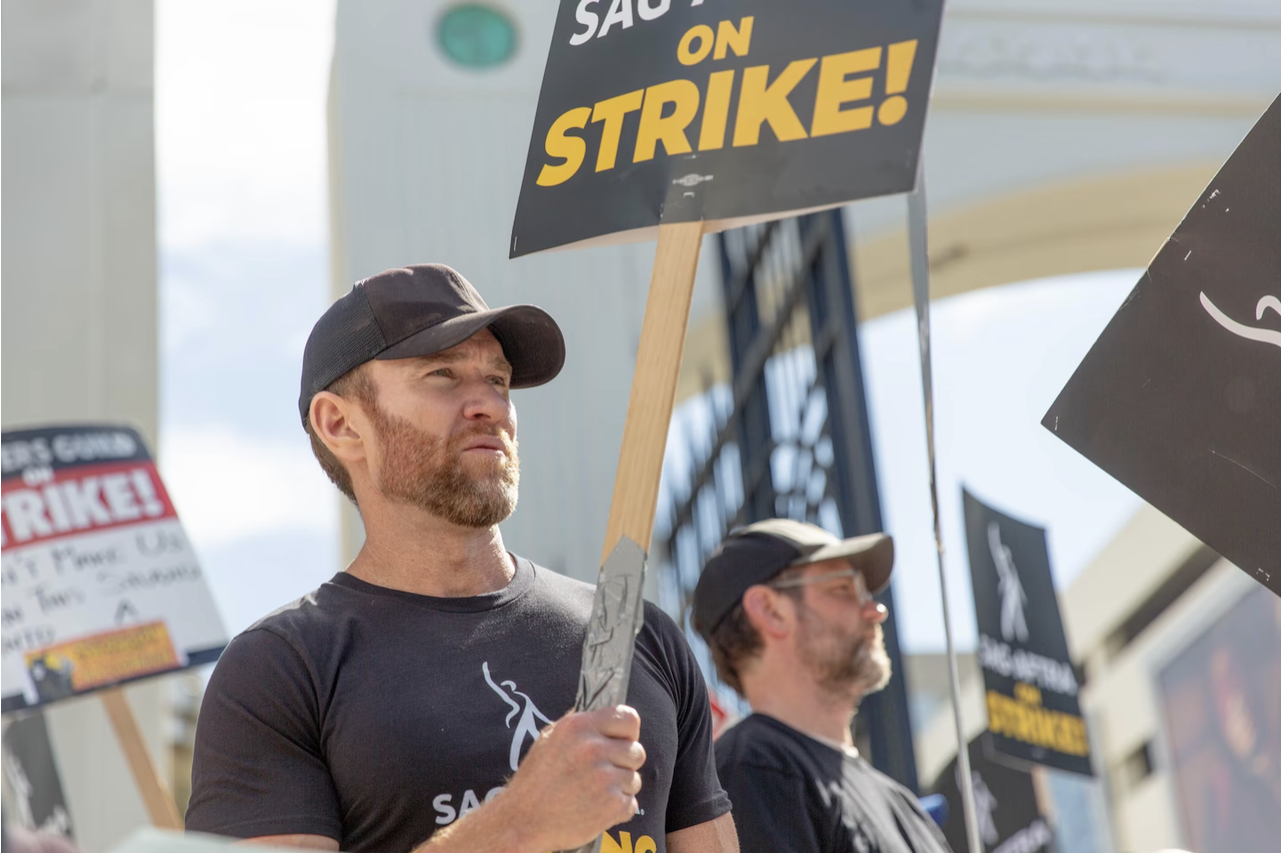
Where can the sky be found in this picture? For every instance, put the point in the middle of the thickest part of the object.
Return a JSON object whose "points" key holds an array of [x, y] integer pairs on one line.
{"points": [[240, 121]]}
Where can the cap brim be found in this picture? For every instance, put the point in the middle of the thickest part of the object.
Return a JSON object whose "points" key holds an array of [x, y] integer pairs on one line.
{"points": [[872, 554], [531, 340]]}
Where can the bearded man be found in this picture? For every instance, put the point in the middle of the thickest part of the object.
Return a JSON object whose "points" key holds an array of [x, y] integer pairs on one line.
{"points": [[789, 615], [415, 700]]}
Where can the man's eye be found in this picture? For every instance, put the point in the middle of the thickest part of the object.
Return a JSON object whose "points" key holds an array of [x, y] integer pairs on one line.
{"points": [[499, 381], [442, 373]]}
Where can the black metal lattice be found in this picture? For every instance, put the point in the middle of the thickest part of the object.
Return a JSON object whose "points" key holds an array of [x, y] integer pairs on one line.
{"points": [[787, 437]]}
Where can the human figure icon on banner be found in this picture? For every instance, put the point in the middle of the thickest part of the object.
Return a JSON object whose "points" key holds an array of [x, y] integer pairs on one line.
{"points": [[1008, 587], [526, 726], [985, 805]]}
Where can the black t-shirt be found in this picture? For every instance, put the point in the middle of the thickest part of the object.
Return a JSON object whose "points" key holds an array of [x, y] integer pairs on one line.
{"points": [[375, 717], [793, 793]]}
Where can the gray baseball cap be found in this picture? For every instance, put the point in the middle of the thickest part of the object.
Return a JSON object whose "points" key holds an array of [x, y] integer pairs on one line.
{"points": [[754, 554]]}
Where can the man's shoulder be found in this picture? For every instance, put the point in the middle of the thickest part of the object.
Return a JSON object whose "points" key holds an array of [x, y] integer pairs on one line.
{"points": [[759, 742]]}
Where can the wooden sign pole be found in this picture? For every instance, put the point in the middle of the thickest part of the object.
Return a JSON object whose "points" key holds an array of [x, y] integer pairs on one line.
{"points": [[654, 386], [155, 795]]}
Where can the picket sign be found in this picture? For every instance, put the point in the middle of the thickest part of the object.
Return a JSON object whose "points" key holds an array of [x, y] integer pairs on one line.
{"points": [[160, 804], [654, 386]]}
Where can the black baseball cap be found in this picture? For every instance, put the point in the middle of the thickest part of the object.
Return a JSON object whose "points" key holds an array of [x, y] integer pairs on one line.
{"points": [[754, 554], [419, 310]]}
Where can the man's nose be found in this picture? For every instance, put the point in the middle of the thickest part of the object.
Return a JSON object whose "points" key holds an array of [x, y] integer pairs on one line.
{"points": [[485, 401], [875, 611]]}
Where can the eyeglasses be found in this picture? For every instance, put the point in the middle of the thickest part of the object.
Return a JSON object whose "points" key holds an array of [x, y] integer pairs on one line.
{"points": [[856, 576]]}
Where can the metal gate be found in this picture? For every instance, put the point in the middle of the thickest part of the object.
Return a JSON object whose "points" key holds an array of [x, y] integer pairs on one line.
{"points": [[788, 437]]}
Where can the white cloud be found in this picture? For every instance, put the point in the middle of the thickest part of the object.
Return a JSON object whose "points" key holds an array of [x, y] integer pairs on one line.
{"points": [[228, 486], [240, 120]]}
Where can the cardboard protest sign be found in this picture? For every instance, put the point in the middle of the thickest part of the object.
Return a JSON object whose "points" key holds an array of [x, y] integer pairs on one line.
{"points": [[1006, 809], [729, 113], [1030, 689], [1179, 398], [100, 583]]}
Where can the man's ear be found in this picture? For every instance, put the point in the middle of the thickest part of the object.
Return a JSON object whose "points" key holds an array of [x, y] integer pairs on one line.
{"points": [[767, 612], [335, 421]]}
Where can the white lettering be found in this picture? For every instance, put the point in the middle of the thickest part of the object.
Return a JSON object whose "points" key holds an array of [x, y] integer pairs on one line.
{"points": [[620, 13], [587, 19], [1026, 666], [26, 512], [84, 504], [120, 499], [470, 803], [447, 814], [650, 12]]}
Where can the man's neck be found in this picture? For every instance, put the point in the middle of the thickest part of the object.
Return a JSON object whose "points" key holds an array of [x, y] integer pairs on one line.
{"points": [[410, 550], [792, 697]]}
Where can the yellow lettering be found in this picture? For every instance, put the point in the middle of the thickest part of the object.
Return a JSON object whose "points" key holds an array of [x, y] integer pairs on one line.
{"points": [[687, 56], [736, 40], [716, 108], [611, 111], [760, 102], [1028, 693], [560, 145], [835, 90], [645, 844], [654, 126], [609, 845], [1029, 722]]}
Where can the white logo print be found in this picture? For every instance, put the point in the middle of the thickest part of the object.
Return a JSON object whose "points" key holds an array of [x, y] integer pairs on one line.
{"points": [[1256, 334], [526, 725], [1008, 587], [985, 803]]}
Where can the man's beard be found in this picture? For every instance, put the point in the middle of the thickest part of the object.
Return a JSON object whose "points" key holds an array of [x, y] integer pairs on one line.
{"points": [[428, 471], [842, 663]]}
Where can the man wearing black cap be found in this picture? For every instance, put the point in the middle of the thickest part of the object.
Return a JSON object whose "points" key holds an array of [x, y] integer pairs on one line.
{"points": [[416, 700], [788, 613]]}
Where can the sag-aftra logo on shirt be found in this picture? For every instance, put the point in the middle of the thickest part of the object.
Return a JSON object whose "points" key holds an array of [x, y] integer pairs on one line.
{"points": [[524, 720]]}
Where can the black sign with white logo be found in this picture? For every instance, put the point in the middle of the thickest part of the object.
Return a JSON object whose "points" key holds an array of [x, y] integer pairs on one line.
{"points": [[653, 111], [1005, 807], [1179, 398], [1030, 689]]}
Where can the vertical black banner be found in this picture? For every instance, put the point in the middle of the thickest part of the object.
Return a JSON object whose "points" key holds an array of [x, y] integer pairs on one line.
{"points": [[1030, 688], [33, 777], [1179, 398], [1005, 807]]}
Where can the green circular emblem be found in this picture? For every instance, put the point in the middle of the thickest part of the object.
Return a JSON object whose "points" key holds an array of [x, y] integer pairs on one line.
{"points": [[477, 36]]}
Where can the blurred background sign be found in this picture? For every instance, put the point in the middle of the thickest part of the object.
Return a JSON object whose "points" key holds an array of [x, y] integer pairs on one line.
{"points": [[34, 796], [1179, 398], [1030, 687], [100, 582], [1006, 805]]}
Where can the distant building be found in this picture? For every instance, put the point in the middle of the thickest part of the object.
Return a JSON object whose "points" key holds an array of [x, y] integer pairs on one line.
{"points": [[80, 318]]}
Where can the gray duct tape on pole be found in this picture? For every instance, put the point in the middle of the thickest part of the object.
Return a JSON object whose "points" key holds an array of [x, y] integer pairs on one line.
{"points": [[920, 262], [617, 615]]}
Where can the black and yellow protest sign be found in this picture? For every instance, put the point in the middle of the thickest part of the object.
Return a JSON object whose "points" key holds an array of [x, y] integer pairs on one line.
{"points": [[676, 111], [1030, 688], [1006, 806], [1179, 398]]}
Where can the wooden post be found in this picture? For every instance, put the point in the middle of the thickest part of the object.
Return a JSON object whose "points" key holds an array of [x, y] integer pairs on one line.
{"points": [[155, 795], [654, 386]]}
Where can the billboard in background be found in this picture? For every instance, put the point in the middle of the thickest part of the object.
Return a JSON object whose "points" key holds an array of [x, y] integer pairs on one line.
{"points": [[100, 585], [1006, 809], [1179, 398], [1219, 699], [1030, 689], [728, 113]]}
